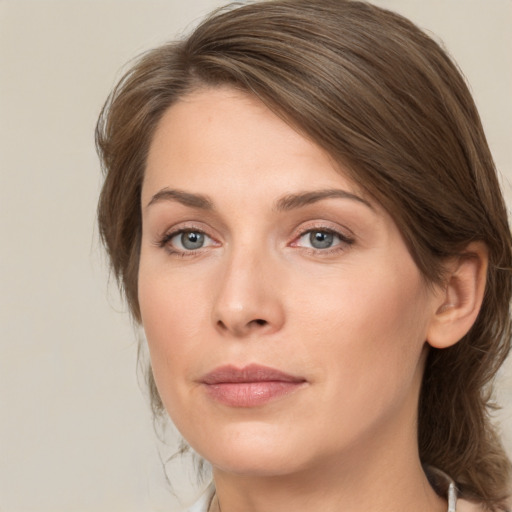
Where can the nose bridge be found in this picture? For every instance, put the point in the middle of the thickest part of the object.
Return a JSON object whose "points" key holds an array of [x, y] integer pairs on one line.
{"points": [[248, 299]]}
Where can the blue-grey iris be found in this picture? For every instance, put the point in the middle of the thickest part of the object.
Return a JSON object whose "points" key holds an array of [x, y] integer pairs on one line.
{"points": [[321, 239], [192, 240]]}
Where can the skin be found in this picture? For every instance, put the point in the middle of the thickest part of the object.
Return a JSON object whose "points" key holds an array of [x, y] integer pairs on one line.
{"points": [[352, 320]]}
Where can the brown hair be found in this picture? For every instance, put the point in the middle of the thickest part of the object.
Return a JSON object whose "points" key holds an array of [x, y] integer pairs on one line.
{"points": [[384, 99]]}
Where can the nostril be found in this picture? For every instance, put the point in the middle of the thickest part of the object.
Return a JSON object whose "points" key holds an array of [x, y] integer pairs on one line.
{"points": [[241, 327]]}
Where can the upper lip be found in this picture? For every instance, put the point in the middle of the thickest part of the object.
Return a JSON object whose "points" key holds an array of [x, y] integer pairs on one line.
{"points": [[250, 373]]}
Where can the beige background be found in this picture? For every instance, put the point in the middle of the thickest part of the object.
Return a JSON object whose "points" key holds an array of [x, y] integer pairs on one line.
{"points": [[75, 430]]}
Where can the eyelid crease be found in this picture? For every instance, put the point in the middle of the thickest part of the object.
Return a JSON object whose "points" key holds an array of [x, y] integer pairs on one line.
{"points": [[325, 225], [345, 239], [325, 229], [169, 235]]}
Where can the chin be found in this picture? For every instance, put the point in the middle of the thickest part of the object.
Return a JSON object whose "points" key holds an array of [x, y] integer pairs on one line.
{"points": [[251, 464], [252, 452]]}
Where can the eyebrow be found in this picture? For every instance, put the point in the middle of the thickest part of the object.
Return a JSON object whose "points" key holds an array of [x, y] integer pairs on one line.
{"points": [[286, 203], [185, 198], [292, 201]]}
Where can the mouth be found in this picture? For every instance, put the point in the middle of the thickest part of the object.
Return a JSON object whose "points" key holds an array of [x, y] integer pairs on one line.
{"points": [[251, 386]]}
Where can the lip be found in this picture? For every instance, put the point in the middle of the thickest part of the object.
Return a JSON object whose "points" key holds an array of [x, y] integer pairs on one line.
{"points": [[251, 386]]}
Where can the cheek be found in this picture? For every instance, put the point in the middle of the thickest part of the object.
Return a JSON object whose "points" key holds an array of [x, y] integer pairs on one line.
{"points": [[173, 319], [369, 333], [172, 302]]}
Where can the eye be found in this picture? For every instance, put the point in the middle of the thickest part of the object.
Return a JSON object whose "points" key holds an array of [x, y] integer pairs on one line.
{"points": [[187, 240], [321, 239]]}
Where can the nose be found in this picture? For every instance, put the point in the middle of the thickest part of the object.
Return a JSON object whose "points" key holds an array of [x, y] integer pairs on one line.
{"points": [[248, 300]]}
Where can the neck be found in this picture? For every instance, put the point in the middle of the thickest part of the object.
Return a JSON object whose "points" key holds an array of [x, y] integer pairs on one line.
{"points": [[393, 487], [398, 486]]}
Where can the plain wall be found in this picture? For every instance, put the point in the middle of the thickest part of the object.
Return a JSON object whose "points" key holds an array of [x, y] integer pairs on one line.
{"points": [[75, 429]]}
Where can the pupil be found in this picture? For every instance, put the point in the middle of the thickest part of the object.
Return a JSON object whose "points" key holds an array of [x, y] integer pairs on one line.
{"points": [[192, 240], [321, 239]]}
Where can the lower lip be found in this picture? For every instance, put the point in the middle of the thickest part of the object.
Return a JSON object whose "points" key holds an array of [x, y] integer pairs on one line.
{"points": [[250, 394]]}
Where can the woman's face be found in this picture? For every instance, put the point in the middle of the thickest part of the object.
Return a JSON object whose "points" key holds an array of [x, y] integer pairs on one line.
{"points": [[285, 318]]}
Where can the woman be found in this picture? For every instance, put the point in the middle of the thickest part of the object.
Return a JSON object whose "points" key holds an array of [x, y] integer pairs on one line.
{"points": [[303, 212]]}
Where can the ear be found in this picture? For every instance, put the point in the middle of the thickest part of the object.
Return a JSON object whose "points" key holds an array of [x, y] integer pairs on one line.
{"points": [[461, 299]]}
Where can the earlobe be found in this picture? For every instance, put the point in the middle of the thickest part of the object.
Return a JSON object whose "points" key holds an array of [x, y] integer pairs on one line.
{"points": [[462, 297]]}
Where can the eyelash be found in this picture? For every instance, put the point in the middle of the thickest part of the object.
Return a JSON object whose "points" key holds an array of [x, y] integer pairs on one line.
{"points": [[344, 241], [163, 242]]}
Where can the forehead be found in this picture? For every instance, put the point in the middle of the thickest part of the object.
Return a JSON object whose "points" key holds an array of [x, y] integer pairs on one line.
{"points": [[215, 137]]}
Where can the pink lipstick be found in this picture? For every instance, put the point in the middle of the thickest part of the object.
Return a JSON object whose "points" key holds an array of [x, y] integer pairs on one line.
{"points": [[250, 386]]}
